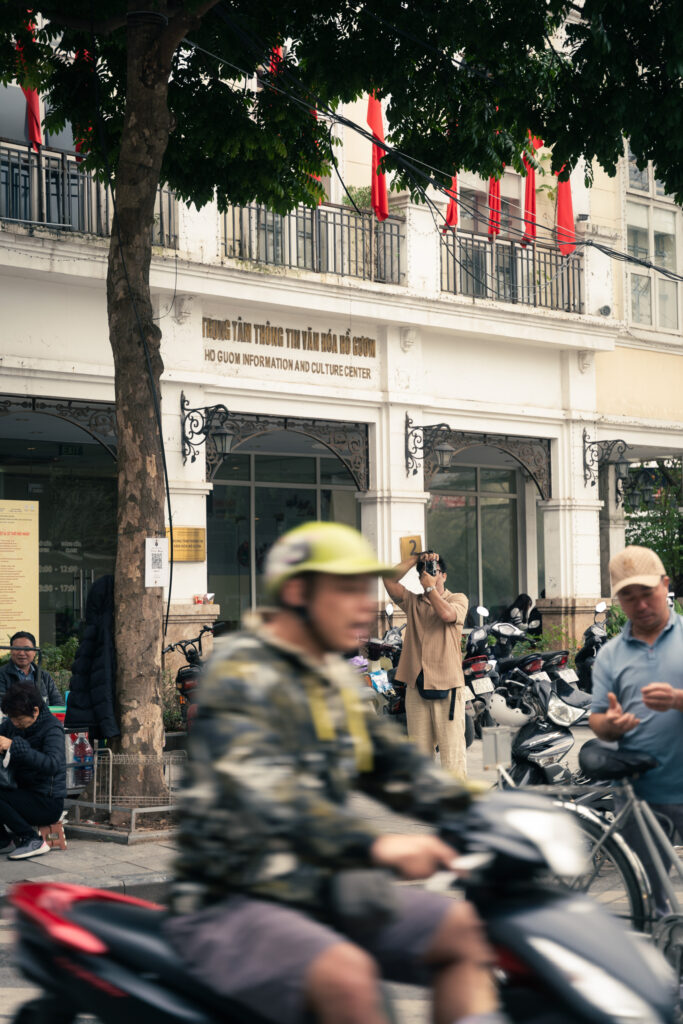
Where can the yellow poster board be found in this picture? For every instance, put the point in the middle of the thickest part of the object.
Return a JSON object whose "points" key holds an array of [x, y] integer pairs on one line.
{"points": [[18, 568], [410, 546]]}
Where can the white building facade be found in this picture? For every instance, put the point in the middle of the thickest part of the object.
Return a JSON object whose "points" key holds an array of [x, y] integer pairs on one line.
{"points": [[331, 340]]}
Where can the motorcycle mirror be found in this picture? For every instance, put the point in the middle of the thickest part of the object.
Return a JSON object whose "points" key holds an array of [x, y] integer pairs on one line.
{"points": [[389, 610], [484, 612], [601, 607]]}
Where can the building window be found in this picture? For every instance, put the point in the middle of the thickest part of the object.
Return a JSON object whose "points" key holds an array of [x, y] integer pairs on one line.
{"points": [[255, 499], [472, 520], [653, 227]]}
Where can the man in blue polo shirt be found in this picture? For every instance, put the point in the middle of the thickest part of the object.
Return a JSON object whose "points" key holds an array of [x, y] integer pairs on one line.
{"points": [[638, 686]]}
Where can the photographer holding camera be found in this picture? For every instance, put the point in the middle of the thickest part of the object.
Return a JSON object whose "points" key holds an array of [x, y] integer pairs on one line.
{"points": [[431, 661]]}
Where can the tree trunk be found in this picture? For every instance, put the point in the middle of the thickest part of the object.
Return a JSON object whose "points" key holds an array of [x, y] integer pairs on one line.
{"points": [[138, 609]]}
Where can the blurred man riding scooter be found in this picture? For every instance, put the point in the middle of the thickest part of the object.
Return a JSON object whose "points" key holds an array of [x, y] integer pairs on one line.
{"points": [[284, 900]]}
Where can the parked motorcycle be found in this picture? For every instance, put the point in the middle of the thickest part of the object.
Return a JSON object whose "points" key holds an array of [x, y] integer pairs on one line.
{"points": [[187, 676], [560, 958], [594, 638], [542, 720]]}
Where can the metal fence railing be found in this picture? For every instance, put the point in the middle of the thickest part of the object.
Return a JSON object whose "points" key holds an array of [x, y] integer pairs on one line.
{"points": [[326, 240], [535, 275], [49, 188]]}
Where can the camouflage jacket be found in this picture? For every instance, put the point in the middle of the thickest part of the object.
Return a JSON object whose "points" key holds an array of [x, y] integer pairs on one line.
{"points": [[278, 743]]}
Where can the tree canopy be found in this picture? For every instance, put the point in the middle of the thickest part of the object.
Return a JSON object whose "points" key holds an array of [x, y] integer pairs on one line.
{"points": [[465, 81]]}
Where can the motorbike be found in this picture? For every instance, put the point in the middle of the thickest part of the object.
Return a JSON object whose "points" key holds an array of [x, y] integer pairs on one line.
{"points": [[542, 722], [187, 676], [594, 638], [560, 958]]}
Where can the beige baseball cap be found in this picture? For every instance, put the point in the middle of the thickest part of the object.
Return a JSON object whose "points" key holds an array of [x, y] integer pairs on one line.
{"points": [[635, 566]]}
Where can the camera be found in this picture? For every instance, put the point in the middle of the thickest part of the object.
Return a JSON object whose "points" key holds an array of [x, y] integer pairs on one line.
{"points": [[428, 565]]}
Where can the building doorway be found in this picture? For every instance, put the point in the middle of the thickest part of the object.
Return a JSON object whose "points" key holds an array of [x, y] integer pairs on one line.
{"points": [[267, 486]]}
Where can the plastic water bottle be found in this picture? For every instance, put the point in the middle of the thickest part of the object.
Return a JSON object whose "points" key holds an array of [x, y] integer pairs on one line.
{"points": [[83, 756]]}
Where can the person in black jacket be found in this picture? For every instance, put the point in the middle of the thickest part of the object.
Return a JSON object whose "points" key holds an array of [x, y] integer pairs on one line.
{"points": [[34, 740], [21, 668], [93, 674]]}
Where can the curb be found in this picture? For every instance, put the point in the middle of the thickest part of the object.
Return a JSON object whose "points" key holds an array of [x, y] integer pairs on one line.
{"points": [[152, 887]]}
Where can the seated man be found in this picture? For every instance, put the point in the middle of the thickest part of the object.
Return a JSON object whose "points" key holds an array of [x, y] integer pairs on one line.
{"points": [[34, 740], [21, 668], [283, 901]]}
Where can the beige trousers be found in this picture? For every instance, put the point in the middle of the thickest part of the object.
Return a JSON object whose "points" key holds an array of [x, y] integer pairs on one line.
{"points": [[429, 727]]}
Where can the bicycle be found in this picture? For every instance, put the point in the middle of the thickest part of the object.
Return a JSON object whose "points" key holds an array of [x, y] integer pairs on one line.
{"points": [[616, 876]]}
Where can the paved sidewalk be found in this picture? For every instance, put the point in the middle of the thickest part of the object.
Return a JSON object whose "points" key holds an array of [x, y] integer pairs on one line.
{"points": [[145, 868]]}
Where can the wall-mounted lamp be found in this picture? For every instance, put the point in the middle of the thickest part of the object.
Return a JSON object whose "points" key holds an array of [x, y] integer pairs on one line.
{"points": [[198, 424], [421, 442], [599, 453]]}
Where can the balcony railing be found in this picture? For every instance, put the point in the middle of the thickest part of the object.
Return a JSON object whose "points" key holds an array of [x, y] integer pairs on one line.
{"points": [[326, 240], [49, 188], [535, 275]]}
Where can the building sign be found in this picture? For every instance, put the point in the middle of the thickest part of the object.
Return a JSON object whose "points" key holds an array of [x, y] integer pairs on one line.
{"points": [[243, 348], [18, 568], [410, 546], [189, 543]]}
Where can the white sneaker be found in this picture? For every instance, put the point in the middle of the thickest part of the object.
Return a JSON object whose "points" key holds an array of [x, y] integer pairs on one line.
{"points": [[33, 847]]}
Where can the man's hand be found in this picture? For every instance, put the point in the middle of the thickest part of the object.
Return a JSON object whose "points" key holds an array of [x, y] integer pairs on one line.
{"points": [[619, 721], [5, 743], [661, 697], [412, 857]]}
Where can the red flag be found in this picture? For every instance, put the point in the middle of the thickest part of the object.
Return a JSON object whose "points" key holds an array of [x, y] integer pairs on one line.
{"points": [[494, 206], [275, 60], [452, 211], [32, 101], [380, 203], [33, 113], [530, 196], [566, 239]]}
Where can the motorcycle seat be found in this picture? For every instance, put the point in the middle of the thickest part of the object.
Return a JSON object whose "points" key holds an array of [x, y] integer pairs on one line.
{"points": [[134, 937], [507, 664], [603, 763], [570, 695]]}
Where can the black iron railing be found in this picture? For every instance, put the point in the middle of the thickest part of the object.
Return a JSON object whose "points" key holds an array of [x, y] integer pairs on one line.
{"points": [[534, 275], [326, 240], [49, 188]]}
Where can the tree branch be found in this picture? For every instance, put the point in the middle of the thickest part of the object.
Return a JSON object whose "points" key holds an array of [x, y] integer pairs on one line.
{"points": [[180, 24]]}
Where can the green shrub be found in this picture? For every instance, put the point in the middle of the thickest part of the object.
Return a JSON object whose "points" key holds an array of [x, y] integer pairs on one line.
{"points": [[171, 711]]}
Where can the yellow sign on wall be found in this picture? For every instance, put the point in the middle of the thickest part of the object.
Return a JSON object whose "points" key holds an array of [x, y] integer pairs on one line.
{"points": [[410, 546], [189, 543], [18, 568]]}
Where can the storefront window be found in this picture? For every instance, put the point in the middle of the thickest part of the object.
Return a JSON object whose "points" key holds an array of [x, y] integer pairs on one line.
{"points": [[476, 532], [73, 479], [256, 498]]}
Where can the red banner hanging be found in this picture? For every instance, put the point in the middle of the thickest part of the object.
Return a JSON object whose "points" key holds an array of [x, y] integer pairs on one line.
{"points": [[380, 202]]}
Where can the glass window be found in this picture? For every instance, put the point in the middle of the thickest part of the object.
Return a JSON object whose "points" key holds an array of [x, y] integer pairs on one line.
{"points": [[498, 480], [452, 531], [229, 549], [668, 304], [289, 470], [461, 478], [637, 179], [339, 506], [637, 230], [276, 510], [498, 553], [333, 471], [233, 467], [664, 227], [641, 299]]}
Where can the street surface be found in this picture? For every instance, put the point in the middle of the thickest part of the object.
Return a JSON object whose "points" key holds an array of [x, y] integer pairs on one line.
{"points": [[126, 867]]}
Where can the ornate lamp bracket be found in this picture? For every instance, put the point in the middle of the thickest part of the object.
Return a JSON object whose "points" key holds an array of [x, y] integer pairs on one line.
{"points": [[423, 442], [196, 425], [599, 453]]}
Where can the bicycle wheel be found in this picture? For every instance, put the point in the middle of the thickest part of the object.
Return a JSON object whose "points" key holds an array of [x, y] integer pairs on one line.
{"points": [[611, 878]]}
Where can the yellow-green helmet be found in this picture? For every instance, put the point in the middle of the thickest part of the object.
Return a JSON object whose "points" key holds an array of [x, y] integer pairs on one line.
{"points": [[320, 547]]}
